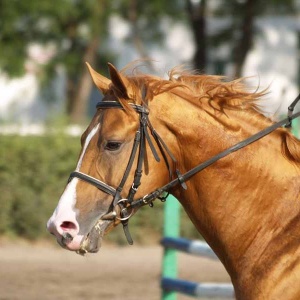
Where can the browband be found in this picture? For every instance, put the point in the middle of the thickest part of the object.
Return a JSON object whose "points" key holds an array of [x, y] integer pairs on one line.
{"points": [[116, 104]]}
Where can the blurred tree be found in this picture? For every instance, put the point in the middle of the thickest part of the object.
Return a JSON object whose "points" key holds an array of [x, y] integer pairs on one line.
{"points": [[146, 20], [197, 13], [79, 27], [241, 29], [244, 28], [75, 27]]}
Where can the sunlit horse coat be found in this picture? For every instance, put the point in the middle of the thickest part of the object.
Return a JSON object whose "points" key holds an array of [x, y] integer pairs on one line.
{"points": [[246, 205]]}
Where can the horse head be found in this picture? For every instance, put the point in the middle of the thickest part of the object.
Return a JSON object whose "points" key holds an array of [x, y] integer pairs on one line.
{"points": [[107, 157]]}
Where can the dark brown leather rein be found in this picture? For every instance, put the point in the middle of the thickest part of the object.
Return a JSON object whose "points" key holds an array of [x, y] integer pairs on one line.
{"points": [[122, 208]]}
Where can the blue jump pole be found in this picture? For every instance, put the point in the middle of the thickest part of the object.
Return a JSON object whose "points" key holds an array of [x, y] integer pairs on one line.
{"points": [[194, 247], [198, 290], [172, 243]]}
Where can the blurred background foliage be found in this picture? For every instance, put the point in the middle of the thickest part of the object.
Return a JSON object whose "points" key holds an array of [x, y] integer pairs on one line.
{"points": [[79, 28], [33, 174], [34, 169]]}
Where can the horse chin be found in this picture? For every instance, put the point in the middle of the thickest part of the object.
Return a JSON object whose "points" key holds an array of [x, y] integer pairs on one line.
{"points": [[92, 242]]}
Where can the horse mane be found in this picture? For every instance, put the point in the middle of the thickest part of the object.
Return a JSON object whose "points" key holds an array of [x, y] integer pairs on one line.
{"points": [[220, 94]]}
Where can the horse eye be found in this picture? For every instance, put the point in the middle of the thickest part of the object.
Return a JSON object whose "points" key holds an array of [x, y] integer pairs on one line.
{"points": [[113, 146]]}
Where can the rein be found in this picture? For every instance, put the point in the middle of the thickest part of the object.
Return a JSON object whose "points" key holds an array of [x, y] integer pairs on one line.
{"points": [[125, 206]]}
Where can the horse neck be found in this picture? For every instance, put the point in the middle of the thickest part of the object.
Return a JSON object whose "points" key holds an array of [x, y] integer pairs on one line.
{"points": [[242, 204]]}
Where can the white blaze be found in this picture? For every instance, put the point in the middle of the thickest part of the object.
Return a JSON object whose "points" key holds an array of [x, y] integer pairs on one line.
{"points": [[65, 210], [87, 141]]}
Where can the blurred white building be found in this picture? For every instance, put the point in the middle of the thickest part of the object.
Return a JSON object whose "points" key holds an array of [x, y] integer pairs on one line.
{"points": [[21, 99], [274, 60]]}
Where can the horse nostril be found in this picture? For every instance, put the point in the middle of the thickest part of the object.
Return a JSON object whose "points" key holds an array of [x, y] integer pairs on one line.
{"points": [[67, 225]]}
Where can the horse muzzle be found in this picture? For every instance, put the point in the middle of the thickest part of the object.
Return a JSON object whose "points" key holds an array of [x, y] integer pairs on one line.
{"points": [[92, 241]]}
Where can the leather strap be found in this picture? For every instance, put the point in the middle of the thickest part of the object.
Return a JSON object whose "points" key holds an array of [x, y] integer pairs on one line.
{"points": [[140, 140], [97, 183], [150, 197]]}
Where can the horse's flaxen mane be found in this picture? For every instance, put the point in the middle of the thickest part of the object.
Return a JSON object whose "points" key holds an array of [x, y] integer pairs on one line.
{"points": [[219, 93]]}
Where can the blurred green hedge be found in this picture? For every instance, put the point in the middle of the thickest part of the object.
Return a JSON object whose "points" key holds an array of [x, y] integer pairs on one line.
{"points": [[33, 174]]}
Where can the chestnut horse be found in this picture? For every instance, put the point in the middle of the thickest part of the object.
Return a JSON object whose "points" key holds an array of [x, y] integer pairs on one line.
{"points": [[246, 205]]}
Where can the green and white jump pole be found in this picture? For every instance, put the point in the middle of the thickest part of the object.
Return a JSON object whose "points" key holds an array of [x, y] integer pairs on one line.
{"points": [[173, 243], [171, 229]]}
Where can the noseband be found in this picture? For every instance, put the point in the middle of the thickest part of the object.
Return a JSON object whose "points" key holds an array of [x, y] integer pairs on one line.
{"points": [[122, 208]]}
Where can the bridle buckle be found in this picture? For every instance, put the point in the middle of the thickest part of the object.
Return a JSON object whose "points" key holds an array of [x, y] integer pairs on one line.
{"points": [[134, 188], [124, 216]]}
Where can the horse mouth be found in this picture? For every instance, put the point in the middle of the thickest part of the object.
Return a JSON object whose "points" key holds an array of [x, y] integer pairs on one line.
{"points": [[92, 241]]}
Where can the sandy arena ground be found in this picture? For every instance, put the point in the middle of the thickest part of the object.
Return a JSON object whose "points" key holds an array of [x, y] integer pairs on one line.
{"points": [[46, 272]]}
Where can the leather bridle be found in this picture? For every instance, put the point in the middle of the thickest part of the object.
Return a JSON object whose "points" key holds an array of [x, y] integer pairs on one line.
{"points": [[122, 208], [121, 205]]}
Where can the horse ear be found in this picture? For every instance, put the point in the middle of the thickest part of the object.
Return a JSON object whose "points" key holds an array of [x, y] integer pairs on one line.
{"points": [[120, 82], [101, 82]]}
